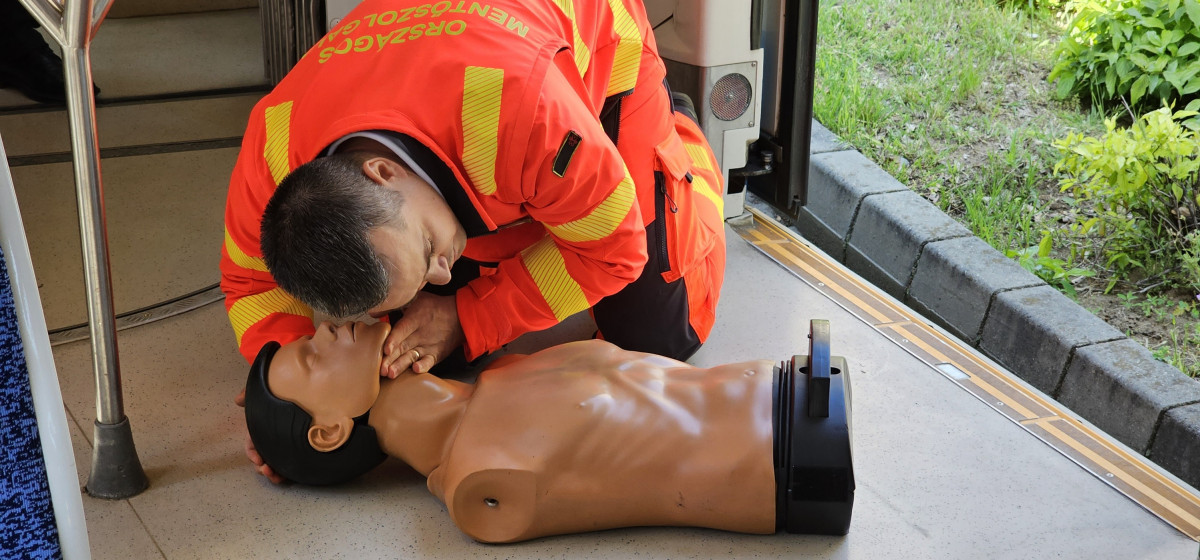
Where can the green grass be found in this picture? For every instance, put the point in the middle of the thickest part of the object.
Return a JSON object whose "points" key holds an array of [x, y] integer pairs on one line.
{"points": [[1182, 339], [950, 98]]}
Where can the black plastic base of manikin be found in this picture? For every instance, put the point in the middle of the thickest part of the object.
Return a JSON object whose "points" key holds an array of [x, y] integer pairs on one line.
{"points": [[116, 471], [814, 466]]}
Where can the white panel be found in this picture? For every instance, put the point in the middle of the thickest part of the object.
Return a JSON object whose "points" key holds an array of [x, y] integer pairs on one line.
{"points": [[55, 436], [335, 10], [706, 32]]}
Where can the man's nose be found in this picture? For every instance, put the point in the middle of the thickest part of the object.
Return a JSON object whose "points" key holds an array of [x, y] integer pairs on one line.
{"points": [[439, 274]]}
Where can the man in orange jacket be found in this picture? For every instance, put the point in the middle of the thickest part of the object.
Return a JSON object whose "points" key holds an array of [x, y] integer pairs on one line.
{"points": [[523, 156]]}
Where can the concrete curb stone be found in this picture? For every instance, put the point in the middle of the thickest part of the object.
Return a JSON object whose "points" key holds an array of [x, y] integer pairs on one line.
{"points": [[878, 227], [825, 141], [1123, 390], [955, 281], [889, 233], [838, 182], [1033, 331], [1176, 445]]}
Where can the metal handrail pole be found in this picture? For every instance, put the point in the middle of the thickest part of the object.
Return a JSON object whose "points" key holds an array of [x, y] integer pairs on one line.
{"points": [[99, 11], [116, 471], [89, 191], [48, 14]]}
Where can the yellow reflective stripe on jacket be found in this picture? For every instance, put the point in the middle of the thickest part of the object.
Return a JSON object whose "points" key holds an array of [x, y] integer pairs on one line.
{"points": [[275, 151], [700, 186], [629, 50], [252, 309], [583, 55], [481, 125], [561, 292], [699, 155], [240, 258], [603, 219], [700, 160]]}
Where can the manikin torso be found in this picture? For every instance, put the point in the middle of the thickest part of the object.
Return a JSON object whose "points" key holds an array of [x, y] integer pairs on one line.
{"points": [[586, 436]]}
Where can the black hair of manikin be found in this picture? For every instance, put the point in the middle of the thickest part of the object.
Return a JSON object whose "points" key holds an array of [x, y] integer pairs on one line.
{"points": [[279, 430]]}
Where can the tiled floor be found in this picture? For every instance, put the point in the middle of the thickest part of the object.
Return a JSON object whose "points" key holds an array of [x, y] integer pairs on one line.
{"points": [[939, 473]]}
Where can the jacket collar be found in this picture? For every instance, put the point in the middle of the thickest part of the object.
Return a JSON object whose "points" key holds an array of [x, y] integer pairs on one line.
{"points": [[445, 182], [431, 168]]}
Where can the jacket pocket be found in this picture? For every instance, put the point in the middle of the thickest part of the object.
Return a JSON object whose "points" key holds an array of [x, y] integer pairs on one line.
{"points": [[688, 224]]}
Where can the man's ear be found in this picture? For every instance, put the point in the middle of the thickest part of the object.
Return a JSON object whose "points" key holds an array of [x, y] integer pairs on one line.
{"points": [[381, 169], [327, 437]]}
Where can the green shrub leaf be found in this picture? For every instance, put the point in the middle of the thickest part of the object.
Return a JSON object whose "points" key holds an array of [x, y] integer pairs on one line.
{"points": [[1180, 78], [1138, 89], [1191, 87], [1145, 180], [1152, 44], [1193, 11], [1066, 85]]}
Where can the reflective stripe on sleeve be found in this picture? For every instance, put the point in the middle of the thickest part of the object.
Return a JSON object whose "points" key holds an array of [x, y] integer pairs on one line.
{"points": [[603, 219], [251, 309], [699, 155], [481, 125], [583, 55], [701, 187], [240, 258], [561, 292], [629, 50], [275, 151], [700, 159]]}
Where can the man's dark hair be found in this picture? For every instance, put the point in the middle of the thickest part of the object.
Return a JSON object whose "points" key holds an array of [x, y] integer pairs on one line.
{"points": [[279, 430], [314, 234]]}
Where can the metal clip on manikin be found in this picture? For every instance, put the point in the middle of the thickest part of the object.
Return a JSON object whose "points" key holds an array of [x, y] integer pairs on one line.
{"points": [[814, 467]]}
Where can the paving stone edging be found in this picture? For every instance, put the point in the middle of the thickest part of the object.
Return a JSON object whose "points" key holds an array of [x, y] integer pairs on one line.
{"points": [[894, 238]]}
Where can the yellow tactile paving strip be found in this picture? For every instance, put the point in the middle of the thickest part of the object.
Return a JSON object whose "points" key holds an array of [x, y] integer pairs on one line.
{"points": [[1130, 474]]}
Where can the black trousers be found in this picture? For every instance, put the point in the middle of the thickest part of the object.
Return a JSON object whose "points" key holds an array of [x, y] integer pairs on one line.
{"points": [[14, 17]]}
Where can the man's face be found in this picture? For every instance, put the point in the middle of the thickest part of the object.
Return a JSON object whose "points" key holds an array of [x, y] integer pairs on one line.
{"points": [[423, 250], [334, 372]]}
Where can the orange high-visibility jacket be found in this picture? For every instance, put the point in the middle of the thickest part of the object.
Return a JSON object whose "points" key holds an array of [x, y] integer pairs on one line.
{"points": [[494, 89]]}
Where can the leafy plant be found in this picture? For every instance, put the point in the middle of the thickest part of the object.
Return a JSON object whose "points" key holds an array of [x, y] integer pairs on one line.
{"points": [[1147, 51], [1145, 182], [1032, 5], [1054, 271]]}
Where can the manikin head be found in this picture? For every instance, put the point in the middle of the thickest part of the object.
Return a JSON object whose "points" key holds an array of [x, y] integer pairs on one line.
{"points": [[358, 218], [307, 403]]}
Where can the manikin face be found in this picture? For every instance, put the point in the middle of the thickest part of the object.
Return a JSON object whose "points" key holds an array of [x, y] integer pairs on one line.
{"points": [[333, 374], [425, 248]]}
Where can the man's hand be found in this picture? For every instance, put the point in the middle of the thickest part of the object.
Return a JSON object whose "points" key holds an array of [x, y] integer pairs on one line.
{"points": [[426, 334], [252, 453]]}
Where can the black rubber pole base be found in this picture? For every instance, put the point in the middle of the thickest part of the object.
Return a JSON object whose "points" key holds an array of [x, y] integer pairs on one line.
{"points": [[116, 471]]}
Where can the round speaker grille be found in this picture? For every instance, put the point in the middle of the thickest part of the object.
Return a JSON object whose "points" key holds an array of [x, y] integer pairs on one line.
{"points": [[730, 97]]}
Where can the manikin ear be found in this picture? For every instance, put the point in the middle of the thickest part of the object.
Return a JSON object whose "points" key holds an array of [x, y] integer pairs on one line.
{"points": [[327, 437], [381, 170]]}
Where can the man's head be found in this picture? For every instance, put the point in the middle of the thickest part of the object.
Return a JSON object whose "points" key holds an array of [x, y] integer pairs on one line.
{"points": [[307, 403], [358, 232]]}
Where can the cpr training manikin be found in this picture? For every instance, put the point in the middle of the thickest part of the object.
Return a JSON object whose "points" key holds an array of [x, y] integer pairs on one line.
{"points": [[579, 437]]}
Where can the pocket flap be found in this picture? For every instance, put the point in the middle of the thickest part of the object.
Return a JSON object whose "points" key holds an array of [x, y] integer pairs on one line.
{"points": [[673, 157]]}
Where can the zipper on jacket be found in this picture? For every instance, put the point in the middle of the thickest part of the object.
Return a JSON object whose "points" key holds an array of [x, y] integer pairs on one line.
{"points": [[660, 220]]}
